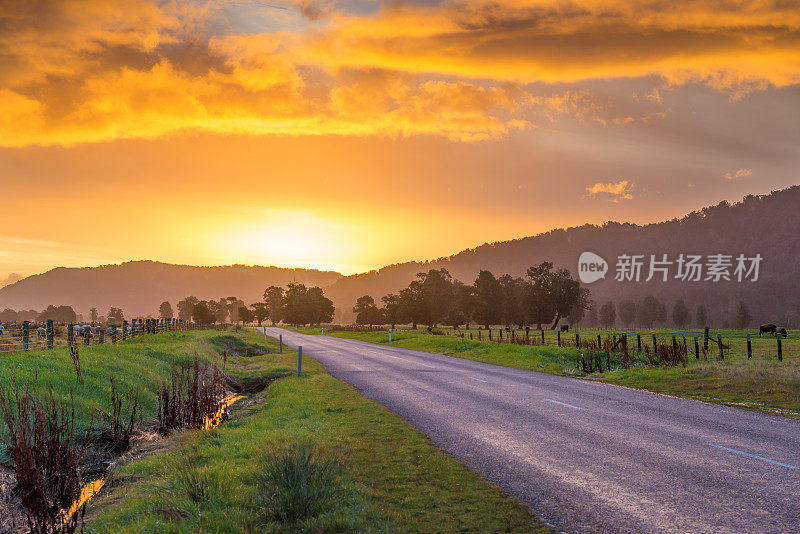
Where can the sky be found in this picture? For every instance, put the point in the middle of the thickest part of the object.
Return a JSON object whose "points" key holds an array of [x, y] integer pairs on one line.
{"points": [[348, 135]]}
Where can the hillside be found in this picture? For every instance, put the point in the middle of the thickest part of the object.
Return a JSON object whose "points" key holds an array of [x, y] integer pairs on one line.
{"points": [[138, 287], [768, 225]]}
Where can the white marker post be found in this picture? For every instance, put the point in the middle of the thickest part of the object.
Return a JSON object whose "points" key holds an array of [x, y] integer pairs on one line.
{"points": [[390, 335]]}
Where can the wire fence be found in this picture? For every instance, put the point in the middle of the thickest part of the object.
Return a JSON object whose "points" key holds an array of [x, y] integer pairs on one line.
{"points": [[31, 335]]}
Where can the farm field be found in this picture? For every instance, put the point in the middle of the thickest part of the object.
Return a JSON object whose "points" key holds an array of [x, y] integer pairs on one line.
{"points": [[762, 384], [389, 477]]}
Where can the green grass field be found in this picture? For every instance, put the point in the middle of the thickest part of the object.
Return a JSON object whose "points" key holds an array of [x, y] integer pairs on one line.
{"points": [[762, 383], [393, 479]]}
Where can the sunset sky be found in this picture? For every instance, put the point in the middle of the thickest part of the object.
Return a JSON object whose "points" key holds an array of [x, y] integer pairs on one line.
{"points": [[348, 135]]}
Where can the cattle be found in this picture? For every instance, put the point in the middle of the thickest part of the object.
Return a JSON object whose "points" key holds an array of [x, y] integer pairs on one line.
{"points": [[767, 329], [782, 332], [41, 332], [565, 328], [2, 330]]}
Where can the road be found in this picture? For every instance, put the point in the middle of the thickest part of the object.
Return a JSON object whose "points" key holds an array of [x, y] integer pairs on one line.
{"points": [[586, 456]]}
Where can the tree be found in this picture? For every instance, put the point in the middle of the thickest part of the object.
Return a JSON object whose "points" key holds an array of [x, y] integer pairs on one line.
{"points": [[593, 320], [411, 303], [627, 312], [8, 316], [743, 316], [437, 293], [578, 311], [186, 307], [367, 313], [93, 315], [274, 299], [165, 310], [514, 292], [651, 310], [201, 313], [552, 294], [233, 304], [488, 299], [306, 305], [680, 314], [608, 314], [701, 316], [392, 309], [245, 315], [115, 315], [59, 314], [320, 308], [464, 303], [260, 312]]}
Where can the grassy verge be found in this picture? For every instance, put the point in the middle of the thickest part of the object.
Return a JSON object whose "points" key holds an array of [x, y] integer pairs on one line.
{"points": [[762, 384], [137, 363], [231, 479]]}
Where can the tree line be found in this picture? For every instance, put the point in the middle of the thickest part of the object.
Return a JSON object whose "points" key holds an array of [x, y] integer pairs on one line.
{"points": [[544, 297], [296, 305], [650, 312]]}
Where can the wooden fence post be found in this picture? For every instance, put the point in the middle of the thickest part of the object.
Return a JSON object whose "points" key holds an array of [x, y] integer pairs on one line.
{"points": [[719, 342], [26, 334], [639, 342], [559, 337], [705, 338], [114, 333], [70, 334], [749, 348], [100, 335], [625, 350], [696, 348], [542, 336], [86, 333], [124, 330], [655, 343], [50, 333], [599, 343], [780, 348]]}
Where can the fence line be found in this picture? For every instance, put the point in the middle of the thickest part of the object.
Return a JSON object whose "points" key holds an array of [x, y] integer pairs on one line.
{"points": [[24, 338]]}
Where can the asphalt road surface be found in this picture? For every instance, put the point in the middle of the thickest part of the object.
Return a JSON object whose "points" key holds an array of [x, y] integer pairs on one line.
{"points": [[585, 456]]}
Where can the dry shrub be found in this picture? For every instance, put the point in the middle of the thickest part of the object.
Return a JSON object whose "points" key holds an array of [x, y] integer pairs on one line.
{"points": [[47, 456], [193, 395]]}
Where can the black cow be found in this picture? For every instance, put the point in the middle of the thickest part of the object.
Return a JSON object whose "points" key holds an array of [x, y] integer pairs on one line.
{"points": [[565, 328], [782, 331], [767, 329]]}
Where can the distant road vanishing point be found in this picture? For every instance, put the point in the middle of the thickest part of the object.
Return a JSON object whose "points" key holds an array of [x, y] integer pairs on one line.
{"points": [[585, 456]]}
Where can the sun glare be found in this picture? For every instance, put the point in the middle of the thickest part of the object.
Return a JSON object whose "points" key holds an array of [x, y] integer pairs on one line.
{"points": [[292, 238]]}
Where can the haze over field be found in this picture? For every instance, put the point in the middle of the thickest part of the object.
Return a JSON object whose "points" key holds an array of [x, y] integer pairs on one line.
{"points": [[347, 135], [764, 226]]}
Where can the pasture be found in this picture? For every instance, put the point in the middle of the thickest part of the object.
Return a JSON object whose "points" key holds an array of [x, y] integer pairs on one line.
{"points": [[369, 471], [762, 383]]}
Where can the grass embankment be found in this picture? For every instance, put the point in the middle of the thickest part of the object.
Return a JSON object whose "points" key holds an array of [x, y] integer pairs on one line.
{"points": [[762, 383], [373, 471], [139, 363]]}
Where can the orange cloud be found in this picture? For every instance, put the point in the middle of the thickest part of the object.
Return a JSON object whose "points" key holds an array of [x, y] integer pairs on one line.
{"points": [[741, 173], [614, 191], [76, 71], [733, 45]]}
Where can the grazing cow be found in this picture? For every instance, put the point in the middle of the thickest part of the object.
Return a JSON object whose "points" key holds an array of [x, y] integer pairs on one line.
{"points": [[767, 329], [782, 331], [41, 332], [2, 330], [565, 328]]}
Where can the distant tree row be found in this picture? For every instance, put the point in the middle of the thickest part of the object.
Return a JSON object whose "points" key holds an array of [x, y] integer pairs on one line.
{"points": [[295, 305], [650, 312], [544, 297], [59, 314]]}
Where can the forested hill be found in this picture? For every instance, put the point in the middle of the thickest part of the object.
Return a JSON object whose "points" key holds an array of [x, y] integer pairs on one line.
{"points": [[138, 287], [767, 224]]}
